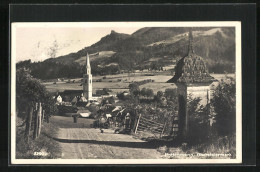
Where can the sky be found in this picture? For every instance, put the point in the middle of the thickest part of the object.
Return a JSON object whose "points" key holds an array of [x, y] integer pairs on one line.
{"points": [[35, 42]]}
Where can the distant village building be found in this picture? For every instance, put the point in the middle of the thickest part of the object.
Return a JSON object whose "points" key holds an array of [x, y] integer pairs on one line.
{"points": [[74, 100], [87, 81], [192, 79], [82, 99], [59, 99]]}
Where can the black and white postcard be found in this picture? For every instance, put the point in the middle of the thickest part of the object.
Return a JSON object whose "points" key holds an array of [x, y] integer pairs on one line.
{"points": [[126, 93]]}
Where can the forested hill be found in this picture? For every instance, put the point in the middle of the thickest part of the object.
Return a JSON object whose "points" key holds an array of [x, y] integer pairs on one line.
{"points": [[147, 48]]}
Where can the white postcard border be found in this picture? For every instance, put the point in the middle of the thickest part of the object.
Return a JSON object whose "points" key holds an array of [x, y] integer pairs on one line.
{"points": [[236, 24]]}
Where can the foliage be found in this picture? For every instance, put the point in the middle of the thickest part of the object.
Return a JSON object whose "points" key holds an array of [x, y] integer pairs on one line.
{"points": [[108, 100], [104, 91], [224, 103], [199, 117], [29, 91], [25, 64], [159, 94], [45, 143], [170, 93], [160, 110], [218, 145], [221, 109], [134, 89], [104, 70], [49, 105], [147, 92]]}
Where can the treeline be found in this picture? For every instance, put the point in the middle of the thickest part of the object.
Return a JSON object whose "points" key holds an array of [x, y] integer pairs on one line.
{"points": [[222, 68], [53, 70]]}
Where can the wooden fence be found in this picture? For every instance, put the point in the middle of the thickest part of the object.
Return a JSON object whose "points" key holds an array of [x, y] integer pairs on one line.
{"points": [[145, 124]]}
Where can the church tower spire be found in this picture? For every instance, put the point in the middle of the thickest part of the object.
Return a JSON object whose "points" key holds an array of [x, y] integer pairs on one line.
{"points": [[190, 51], [88, 68], [87, 81]]}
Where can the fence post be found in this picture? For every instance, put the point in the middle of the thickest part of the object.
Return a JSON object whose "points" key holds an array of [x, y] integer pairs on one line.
{"points": [[28, 122], [43, 113], [39, 119], [35, 122], [137, 123]]}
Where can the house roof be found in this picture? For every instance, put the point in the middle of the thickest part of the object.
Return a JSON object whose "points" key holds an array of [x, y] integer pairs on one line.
{"points": [[83, 99], [117, 108], [56, 96], [83, 111], [74, 100]]}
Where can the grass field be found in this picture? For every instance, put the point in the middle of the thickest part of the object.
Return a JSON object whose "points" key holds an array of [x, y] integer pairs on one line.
{"points": [[119, 83], [116, 83]]}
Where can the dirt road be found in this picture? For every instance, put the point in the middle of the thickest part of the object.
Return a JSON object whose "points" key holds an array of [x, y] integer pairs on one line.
{"points": [[90, 143]]}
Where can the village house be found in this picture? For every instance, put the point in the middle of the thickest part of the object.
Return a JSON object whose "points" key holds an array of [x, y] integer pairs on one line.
{"points": [[59, 99]]}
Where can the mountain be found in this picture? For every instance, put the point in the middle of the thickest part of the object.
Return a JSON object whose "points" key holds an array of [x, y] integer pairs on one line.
{"points": [[150, 47]]}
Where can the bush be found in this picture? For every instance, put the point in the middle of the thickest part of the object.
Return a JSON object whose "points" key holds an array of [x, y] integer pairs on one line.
{"points": [[225, 146], [221, 145], [224, 103], [44, 143], [198, 121]]}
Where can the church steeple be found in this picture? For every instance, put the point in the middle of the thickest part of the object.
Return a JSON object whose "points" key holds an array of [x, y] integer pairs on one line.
{"points": [[190, 51], [88, 68], [87, 81]]}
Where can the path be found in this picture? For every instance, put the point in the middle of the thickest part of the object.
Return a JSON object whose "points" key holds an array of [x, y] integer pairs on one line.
{"points": [[90, 143]]}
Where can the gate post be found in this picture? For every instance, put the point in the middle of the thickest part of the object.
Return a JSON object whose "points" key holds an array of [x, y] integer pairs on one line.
{"points": [[163, 128], [137, 123]]}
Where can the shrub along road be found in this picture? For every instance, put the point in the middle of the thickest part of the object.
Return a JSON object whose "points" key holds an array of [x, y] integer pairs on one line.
{"points": [[79, 141]]}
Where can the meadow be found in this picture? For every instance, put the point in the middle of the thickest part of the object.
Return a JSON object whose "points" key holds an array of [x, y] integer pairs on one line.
{"points": [[120, 82]]}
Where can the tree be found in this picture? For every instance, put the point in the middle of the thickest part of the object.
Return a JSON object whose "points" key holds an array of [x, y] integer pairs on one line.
{"points": [[224, 103], [170, 94], [25, 63], [143, 92], [134, 89], [108, 100], [149, 92], [146, 92], [49, 106], [159, 94], [158, 97], [29, 93]]}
